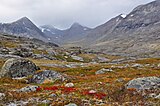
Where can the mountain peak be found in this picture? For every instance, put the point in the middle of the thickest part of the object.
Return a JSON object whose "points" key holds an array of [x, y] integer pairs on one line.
{"points": [[75, 25], [24, 19]]}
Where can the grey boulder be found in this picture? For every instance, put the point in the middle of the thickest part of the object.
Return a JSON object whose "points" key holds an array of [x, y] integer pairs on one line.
{"points": [[103, 71], [18, 67], [40, 77], [144, 83], [31, 88]]}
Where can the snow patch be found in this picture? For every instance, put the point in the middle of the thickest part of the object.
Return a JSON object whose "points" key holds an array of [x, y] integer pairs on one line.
{"points": [[132, 15], [42, 29], [85, 29], [123, 15]]}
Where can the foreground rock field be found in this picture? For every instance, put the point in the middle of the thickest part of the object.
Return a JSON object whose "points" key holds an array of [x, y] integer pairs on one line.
{"points": [[48, 75]]}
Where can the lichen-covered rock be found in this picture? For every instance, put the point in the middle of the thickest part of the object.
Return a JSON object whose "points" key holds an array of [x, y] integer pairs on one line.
{"points": [[144, 83], [18, 67], [40, 77]]}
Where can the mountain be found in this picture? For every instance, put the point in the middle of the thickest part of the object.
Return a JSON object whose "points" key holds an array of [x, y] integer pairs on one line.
{"points": [[22, 27], [63, 36], [134, 34], [53, 34]]}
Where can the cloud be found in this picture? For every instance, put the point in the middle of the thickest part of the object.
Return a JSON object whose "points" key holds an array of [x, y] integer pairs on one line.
{"points": [[62, 13]]}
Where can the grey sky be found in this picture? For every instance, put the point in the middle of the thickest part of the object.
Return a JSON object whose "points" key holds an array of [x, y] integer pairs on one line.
{"points": [[62, 13]]}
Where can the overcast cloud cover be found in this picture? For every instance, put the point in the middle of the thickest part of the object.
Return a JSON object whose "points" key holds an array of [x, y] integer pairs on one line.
{"points": [[62, 13]]}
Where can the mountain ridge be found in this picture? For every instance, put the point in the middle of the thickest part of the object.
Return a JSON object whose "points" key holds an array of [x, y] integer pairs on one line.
{"points": [[134, 34], [61, 36], [22, 27]]}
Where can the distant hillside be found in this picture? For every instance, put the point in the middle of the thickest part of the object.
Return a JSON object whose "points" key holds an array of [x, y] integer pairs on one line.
{"points": [[62, 36], [135, 34]]}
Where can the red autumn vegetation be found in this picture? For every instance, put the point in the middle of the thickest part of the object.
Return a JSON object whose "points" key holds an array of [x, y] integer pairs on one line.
{"points": [[54, 88], [98, 95]]}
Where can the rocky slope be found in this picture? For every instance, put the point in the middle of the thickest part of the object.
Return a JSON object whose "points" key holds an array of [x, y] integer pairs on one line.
{"points": [[136, 34]]}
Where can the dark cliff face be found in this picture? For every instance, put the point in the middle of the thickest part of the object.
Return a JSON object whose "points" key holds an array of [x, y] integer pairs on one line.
{"points": [[22, 27]]}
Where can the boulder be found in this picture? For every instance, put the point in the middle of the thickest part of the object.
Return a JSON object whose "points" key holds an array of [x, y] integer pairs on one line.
{"points": [[2, 95], [22, 52], [158, 65], [77, 58], [18, 67], [144, 83], [103, 70], [69, 85], [136, 66], [31, 88], [42, 76], [102, 59], [158, 96], [4, 50]]}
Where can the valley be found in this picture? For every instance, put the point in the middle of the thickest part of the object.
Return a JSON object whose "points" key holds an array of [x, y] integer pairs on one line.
{"points": [[114, 64]]}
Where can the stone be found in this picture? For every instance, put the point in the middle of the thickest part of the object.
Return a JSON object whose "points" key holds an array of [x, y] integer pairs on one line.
{"points": [[120, 80], [12, 104], [22, 52], [7, 56], [92, 91], [51, 75], [18, 67], [31, 88], [71, 104], [144, 83], [53, 95], [136, 65], [4, 50], [2, 95], [77, 58], [158, 96], [103, 70], [158, 65], [46, 101], [102, 59], [69, 85]]}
